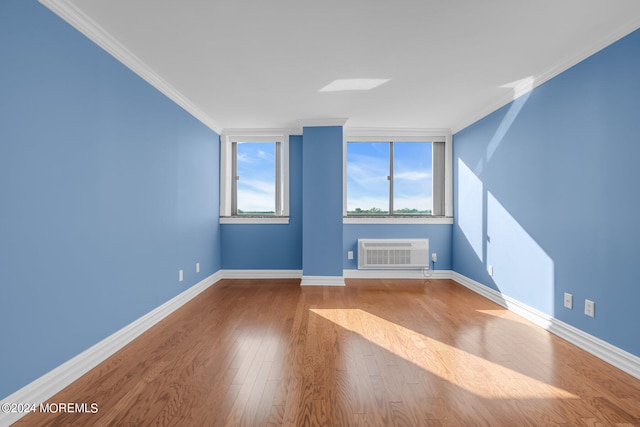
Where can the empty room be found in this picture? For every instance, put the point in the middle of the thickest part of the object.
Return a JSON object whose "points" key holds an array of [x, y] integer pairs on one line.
{"points": [[319, 213]]}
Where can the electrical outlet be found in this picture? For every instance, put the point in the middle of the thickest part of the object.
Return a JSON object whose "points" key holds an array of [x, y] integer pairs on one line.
{"points": [[490, 270], [589, 308], [180, 275], [434, 257], [350, 255], [197, 267], [568, 300]]}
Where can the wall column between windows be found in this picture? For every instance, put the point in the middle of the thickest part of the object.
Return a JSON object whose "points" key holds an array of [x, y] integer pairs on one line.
{"points": [[322, 185]]}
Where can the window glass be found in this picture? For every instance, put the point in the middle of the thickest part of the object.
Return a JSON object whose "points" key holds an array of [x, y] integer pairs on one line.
{"points": [[256, 178], [384, 177], [412, 178], [367, 178]]}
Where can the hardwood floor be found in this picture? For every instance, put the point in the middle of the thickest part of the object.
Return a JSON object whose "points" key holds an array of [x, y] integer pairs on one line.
{"points": [[376, 352]]}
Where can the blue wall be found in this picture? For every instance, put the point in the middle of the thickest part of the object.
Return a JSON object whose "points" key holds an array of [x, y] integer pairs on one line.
{"points": [[322, 201], [545, 190], [439, 236], [269, 246], [107, 189]]}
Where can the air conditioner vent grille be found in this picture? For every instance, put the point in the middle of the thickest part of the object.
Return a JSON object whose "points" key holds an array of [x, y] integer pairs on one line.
{"points": [[389, 256], [396, 253]]}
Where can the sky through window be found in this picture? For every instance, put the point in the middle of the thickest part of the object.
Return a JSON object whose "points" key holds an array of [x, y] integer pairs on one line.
{"points": [[368, 166]]}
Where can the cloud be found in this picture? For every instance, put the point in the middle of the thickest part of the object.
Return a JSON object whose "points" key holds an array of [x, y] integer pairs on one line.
{"points": [[412, 176], [367, 170], [264, 187], [265, 156], [252, 152], [244, 158], [249, 202], [256, 195]]}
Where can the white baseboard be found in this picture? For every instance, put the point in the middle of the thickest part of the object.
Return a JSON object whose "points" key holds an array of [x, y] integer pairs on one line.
{"points": [[335, 280], [611, 354], [322, 281], [261, 274], [55, 380], [397, 274], [284, 274]]}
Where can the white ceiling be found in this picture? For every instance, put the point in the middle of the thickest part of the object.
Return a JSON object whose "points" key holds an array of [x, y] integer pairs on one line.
{"points": [[261, 64]]}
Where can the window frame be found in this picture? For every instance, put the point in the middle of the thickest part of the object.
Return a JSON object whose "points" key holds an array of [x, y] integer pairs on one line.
{"points": [[399, 135], [228, 185]]}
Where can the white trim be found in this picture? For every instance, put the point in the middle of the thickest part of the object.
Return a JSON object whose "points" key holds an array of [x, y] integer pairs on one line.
{"points": [[547, 75], [397, 134], [322, 281], [66, 10], [226, 172], [60, 377], [337, 121], [611, 354], [254, 133], [396, 220], [397, 274], [261, 274], [254, 220], [344, 175], [285, 178]]}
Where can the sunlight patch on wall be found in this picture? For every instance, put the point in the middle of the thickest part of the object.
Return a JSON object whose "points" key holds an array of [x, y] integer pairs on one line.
{"points": [[521, 268], [520, 87], [521, 92], [470, 207]]}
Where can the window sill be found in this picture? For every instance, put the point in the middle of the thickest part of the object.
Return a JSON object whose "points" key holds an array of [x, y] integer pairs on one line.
{"points": [[397, 219], [254, 220]]}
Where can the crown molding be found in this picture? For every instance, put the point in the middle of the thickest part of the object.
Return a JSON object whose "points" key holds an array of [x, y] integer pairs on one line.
{"points": [[249, 132], [75, 17], [337, 121], [397, 132], [550, 73]]}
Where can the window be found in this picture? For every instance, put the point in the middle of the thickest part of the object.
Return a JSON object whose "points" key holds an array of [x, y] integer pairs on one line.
{"points": [[403, 176], [254, 178], [257, 187]]}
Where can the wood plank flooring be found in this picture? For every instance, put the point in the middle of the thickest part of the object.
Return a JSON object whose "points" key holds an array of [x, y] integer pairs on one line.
{"points": [[374, 353]]}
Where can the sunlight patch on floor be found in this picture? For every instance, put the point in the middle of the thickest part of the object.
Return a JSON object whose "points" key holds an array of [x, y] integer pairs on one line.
{"points": [[470, 372]]}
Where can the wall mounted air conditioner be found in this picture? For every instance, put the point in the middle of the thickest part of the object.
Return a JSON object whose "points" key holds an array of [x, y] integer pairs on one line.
{"points": [[393, 253]]}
